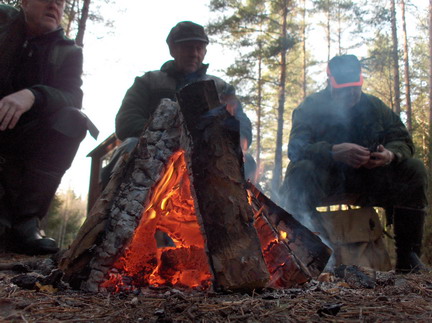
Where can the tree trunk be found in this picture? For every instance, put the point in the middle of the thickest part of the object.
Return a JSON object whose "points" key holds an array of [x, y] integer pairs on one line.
{"points": [[395, 58], [259, 112], [430, 83], [304, 63], [339, 29], [328, 31], [70, 13], [277, 172], [82, 23], [406, 69]]}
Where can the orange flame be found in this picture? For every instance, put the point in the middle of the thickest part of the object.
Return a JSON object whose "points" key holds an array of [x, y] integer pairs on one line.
{"points": [[167, 247]]}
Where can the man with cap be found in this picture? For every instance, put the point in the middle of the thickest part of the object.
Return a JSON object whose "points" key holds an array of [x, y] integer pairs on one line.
{"points": [[187, 42], [346, 142], [41, 125]]}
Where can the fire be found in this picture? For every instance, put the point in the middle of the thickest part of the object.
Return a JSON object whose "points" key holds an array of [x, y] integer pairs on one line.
{"points": [[167, 247]]}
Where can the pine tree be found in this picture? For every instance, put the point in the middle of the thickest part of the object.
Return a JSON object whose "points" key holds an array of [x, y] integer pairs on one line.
{"points": [[258, 29], [406, 68], [64, 218], [395, 58]]}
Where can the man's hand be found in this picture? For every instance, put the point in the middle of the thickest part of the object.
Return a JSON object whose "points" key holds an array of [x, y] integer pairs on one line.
{"points": [[351, 154], [381, 157], [13, 106]]}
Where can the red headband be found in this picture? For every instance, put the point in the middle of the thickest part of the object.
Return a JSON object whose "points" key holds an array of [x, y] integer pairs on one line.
{"points": [[335, 85]]}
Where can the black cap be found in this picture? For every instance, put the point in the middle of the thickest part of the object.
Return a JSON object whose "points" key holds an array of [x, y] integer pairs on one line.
{"points": [[186, 31], [344, 71]]}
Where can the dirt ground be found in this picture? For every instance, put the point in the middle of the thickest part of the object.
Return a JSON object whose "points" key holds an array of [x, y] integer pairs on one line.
{"points": [[30, 291]]}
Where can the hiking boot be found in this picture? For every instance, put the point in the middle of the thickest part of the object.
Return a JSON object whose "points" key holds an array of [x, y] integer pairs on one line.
{"points": [[31, 240]]}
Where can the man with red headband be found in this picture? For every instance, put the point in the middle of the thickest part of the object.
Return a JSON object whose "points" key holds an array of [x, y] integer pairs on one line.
{"points": [[344, 141]]}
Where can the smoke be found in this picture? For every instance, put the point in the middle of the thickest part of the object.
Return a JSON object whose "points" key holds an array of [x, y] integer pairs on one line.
{"points": [[298, 205]]}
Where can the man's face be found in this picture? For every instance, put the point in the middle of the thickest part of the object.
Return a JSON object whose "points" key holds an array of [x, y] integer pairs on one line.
{"points": [[42, 16], [188, 55], [347, 97]]}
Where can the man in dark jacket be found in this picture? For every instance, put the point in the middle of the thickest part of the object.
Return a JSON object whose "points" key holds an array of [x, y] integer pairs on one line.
{"points": [[187, 43], [41, 125], [346, 142]]}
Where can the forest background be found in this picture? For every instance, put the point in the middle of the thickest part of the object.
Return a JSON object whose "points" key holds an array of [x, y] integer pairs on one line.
{"points": [[279, 50]]}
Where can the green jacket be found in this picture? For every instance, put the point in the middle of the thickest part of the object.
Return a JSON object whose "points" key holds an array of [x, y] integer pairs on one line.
{"points": [[142, 99], [318, 124], [49, 65]]}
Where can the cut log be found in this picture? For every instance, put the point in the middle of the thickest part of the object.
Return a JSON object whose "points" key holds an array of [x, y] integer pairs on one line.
{"points": [[216, 162]]}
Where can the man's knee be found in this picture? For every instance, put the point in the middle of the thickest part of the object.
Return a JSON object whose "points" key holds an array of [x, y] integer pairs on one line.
{"points": [[411, 183], [70, 122], [128, 145], [301, 171], [413, 170], [298, 182]]}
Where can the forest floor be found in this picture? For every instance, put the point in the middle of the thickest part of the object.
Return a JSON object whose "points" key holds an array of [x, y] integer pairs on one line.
{"points": [[27, 296]]}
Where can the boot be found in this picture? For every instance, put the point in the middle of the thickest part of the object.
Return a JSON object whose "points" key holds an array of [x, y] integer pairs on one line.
{"points": [[5, 208], [31, 240], [10, 182], [5, 223], [37, 191], [408, 230]]}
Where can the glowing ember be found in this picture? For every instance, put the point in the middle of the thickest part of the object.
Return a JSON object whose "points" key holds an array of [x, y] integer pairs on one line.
{"points": [[167, 247]]}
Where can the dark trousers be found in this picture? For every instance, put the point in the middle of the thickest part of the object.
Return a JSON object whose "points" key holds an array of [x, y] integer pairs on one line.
{"points": [[34, 156], [307, 185], [35, 145]]}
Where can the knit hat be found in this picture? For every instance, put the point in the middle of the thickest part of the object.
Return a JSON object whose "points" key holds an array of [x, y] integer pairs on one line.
{"points": [[344, 71], [186, 31]]}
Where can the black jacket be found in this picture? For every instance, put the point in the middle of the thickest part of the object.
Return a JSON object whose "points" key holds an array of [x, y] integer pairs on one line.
{"points": [[49, 65], [142, 99], [318, 124]]}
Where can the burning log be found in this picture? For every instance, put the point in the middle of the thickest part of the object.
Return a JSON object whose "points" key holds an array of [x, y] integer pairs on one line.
{"points": [[292, 252], [307, 247], [228, 220], [178, 213]]}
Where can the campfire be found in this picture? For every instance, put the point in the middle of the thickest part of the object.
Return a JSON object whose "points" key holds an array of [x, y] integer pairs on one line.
{"points": [[168, 247], [179, 213]]}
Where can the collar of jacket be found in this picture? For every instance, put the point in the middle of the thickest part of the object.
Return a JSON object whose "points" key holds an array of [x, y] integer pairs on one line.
{"points": [[9, 14], [170, 68], [51, 36]]}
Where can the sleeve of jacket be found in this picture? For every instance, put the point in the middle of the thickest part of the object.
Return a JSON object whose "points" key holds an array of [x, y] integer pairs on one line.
{"points": [[64, 87], [234, 106], [303, 143], [397, 138], [7, 13], [134, 111]]}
